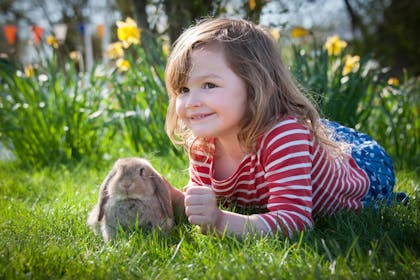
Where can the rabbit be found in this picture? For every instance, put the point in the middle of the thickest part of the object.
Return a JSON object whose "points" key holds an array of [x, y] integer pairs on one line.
{"points": [[133, 194]]}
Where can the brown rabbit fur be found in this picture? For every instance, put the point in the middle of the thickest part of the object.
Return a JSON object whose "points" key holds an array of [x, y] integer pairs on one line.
{"points": [[132, 194]]}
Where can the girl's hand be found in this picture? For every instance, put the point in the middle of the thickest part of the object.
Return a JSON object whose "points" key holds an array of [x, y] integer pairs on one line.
{"points": [[201, 207]]}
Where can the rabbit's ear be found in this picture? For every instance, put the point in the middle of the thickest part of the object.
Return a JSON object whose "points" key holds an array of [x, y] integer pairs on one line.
{"points": [[104, 192], [163, 195]]}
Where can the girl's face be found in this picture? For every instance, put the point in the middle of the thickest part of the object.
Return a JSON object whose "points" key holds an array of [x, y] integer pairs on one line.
{"points": [[212, 102]]}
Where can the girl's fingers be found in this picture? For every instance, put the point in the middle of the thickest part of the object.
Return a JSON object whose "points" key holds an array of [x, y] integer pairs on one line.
{"points": [[194, 187], [200, 205], [198, 220], [194, 210], [201, 190], [193, 199]]}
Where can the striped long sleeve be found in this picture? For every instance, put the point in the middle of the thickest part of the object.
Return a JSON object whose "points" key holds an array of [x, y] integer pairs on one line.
{"points": [[289, 179]]}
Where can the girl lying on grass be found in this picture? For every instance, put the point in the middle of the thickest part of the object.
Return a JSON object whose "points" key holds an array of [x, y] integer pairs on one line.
{"points": [[254, 139]]}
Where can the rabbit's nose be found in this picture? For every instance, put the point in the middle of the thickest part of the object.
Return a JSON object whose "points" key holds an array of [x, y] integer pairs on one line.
{"points": [[125, 186]]}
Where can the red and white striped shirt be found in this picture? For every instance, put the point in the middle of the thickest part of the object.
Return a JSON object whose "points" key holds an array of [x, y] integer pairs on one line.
{"points": [[288, 180]]}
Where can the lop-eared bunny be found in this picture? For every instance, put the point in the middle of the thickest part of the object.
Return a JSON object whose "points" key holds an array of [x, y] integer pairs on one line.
{"points": [[132, 194]]}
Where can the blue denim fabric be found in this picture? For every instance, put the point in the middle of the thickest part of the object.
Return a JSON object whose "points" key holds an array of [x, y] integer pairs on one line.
{"points": [[373, 159]]}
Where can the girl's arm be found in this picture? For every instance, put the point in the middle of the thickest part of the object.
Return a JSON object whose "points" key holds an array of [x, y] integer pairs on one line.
{"points": [[240, 225], [177, 198], [202, 209], [212, 218]]}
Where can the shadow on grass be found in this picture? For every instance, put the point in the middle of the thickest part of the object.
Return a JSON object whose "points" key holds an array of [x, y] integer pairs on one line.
{"points": [[390, 230]]}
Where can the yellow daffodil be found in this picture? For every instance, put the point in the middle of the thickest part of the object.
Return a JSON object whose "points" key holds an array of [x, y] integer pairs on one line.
{"points": [[165, 49], [75, 55], [351, 63], [29, 71], [115, 50], [334, 45], [298, 32], [123, 65], [252, 4], [393, 81], [275, 32], [52, 41], [128, 32]]}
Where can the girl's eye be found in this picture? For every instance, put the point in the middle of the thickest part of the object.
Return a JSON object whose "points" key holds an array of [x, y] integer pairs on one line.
{"points": [[209, 85], [184, 90]]}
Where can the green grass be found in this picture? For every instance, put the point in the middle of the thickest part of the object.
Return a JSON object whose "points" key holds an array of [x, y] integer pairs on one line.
{"points": [[44, 236]]}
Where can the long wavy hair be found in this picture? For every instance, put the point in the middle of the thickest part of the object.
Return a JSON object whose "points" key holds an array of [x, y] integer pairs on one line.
{"points": [[254, 56]]}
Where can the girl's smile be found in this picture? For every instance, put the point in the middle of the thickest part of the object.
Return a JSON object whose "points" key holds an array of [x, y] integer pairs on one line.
{"points": [[198, 117]]}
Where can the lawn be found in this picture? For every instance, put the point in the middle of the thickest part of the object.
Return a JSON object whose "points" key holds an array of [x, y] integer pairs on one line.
{"points": [[44, 236]]}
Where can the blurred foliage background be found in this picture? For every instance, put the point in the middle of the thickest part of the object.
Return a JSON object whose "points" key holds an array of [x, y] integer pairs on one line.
{"points": [[56, 108], [385, 29]]}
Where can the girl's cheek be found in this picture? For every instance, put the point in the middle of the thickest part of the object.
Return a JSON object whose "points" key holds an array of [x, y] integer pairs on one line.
{"points": [[179, 108]]}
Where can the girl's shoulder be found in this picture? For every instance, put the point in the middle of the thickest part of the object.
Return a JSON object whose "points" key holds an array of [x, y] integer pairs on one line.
{"points": [[286, 124], [287, 128]]}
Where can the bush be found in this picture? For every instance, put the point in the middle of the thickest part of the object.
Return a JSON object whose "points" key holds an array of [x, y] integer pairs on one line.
{"points": [[139, 90], [355, 92], [342, 85], [396, 121], [51, 115]]}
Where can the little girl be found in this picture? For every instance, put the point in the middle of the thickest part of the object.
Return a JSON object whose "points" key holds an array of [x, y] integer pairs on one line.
{"points": [[256, 142]]}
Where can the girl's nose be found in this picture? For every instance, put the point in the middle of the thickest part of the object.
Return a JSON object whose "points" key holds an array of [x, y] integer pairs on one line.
{"points": [[193, 100]]}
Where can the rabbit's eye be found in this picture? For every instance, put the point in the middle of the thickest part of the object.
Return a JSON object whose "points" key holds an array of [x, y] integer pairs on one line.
{"points": [[141, 171]]}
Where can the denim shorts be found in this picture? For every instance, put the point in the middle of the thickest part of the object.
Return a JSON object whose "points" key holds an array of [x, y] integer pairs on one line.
{"points": [[373, 159]]}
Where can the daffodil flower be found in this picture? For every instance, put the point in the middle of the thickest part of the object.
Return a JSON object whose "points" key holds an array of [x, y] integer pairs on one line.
{"points": [[128, 32], [29, 71], [299, 32], [334, 45], [275, 32], [115, 50], [351, 63], [165, 49], [252, 4], [393, 81], [52, 41], [75, 55], [123, 65]]}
